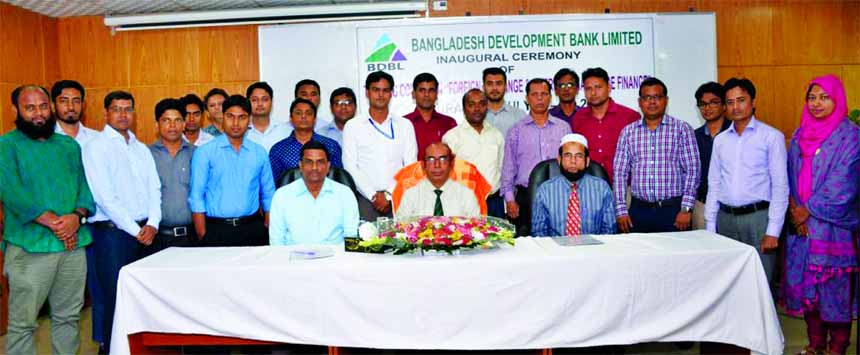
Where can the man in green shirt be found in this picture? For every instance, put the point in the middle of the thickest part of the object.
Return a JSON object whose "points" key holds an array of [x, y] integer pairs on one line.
{"points": [[46, 198]]}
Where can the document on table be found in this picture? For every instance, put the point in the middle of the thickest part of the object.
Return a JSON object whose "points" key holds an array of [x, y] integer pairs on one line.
{"points": [[573, 241]]}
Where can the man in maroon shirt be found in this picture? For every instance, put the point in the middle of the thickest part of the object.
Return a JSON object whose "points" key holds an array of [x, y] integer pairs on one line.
{"points": [[429, 125], [602, 119]]}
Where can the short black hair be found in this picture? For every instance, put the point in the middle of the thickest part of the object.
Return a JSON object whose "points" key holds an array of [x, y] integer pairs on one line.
{"points": [[260, 85], [424, 78], [537, 81], [341, 91], [652, 81], [17, 92], [466, 95], [314, 144], [236, 100], [58, 87], [494, 71], [213, 92], [742, 83], [303, 101], [713, 88], [595, 73], [169, 104], [304, 82], [193, 99], [377, 76], [565, 72], [118, 95]]}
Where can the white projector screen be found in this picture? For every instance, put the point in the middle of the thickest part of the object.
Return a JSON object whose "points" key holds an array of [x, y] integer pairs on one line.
{"points": [[680, 49]]}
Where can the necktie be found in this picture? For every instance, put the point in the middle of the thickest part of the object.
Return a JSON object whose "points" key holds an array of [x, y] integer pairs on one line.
{"points": [[574, 219], [437, 208]]}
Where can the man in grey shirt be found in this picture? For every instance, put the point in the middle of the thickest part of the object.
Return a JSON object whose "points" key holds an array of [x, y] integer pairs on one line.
{"points": [[501, 115], [172, 156]]}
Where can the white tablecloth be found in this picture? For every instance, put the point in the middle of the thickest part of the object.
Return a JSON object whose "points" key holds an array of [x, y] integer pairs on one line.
{"points": [[690, 286]]}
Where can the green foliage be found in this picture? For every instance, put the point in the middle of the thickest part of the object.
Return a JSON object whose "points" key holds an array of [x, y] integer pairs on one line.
{"points": [[854, 116]]}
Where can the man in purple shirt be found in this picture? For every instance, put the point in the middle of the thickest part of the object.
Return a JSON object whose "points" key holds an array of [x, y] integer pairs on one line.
{"points": [[659, 156], [566, 84], [530, 141], [747, 179]]}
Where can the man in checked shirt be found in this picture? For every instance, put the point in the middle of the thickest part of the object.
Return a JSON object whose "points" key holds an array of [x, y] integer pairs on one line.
{"points": [[659, 157]]}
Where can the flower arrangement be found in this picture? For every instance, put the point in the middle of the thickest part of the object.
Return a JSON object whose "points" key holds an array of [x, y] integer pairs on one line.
{"points": [[442, 234]]}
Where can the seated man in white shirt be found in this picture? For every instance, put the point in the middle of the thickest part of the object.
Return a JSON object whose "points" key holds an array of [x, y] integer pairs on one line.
{"points": [[437, 195], [313, 209]]}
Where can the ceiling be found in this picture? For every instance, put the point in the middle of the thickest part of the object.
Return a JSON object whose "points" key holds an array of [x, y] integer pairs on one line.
{"points": [[67, 8]]}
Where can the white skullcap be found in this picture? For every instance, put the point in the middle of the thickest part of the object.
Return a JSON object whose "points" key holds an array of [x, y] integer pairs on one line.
{"points": [[574, 137]]}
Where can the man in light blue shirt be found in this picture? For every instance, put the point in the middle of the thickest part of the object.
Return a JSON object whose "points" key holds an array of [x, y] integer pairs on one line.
{"points": [[748, 177], [315, 209], [342, 104], [231, 178], [553, 209]]}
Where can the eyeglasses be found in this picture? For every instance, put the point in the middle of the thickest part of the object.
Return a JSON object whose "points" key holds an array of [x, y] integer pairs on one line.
{"points": [[343, 102], [647, 98], [117, 109], [709, 104], [565, 85], [441, 159]]}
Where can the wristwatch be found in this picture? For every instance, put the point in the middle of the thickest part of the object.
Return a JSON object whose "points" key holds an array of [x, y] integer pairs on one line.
{"points": [[686, 209], [83, 218]]}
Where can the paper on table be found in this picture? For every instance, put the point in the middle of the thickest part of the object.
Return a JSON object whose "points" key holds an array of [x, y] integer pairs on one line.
{"points": [[305, 253], [585, 239]]}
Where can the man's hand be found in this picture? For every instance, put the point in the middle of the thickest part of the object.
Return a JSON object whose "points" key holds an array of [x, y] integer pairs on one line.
{"points": [[199, 220], [381, 203], [146, 235], [624, 223], [769, 243], [803, 230], [66, 225], [513, 209], [71, 242], [682, 220], [799, 215]]}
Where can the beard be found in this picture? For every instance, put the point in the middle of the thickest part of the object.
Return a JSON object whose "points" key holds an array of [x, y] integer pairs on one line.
{"points": [[34, 131], [70, 119], [572, 177]]}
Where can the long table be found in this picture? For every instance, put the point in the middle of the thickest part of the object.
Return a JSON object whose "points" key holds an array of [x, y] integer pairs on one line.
{"points": [[634, 288]]}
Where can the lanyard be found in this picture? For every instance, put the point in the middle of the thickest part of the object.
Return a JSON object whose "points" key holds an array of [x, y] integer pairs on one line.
{"points": [[391, 125]]}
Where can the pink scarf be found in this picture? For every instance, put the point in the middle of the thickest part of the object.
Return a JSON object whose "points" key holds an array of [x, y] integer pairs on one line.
{"points": [[813, 132]]}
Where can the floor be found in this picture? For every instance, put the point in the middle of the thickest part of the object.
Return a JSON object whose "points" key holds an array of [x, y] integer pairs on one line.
{"points": [[793, 329]]}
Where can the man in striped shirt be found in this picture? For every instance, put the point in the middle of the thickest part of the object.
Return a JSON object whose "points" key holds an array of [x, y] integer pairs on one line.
{"points": [[659, 157], [573, 202]]}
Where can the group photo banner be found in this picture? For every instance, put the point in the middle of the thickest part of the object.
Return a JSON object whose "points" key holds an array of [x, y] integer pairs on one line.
{"points": [[680, 49]]}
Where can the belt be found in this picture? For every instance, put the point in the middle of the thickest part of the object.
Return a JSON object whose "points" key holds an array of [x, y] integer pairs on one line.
{"points": [[110, 224], [745, 209], [180, 231], [235, 222], [669, 202]]}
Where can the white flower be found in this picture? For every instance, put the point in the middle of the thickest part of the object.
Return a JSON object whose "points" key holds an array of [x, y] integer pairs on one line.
{"points": [[477, 235], [367, 231]]}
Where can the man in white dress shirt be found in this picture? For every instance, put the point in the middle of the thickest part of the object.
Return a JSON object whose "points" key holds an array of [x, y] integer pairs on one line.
{"points": [[375, 148], [68, 98], [264, 131], [127, 191], [482, 144], [437, 195]]}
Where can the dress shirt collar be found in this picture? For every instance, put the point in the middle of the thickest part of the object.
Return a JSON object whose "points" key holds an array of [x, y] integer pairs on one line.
{"points": [[160, 145], [325, 189], [550, 120], [503, 109], [704, 132], [114, 134], [751, 125], [272, 125], [331, 126], [223, 142], [59, 129], [488, 127], [416, 115], [665, 121]]}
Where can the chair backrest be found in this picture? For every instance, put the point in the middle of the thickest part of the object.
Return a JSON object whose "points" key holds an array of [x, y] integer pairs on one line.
{"points": [[337, 174], [549, 169]]}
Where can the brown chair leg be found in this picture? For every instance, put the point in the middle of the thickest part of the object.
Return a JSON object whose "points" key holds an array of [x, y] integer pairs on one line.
{"points": [[720, 348]]}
